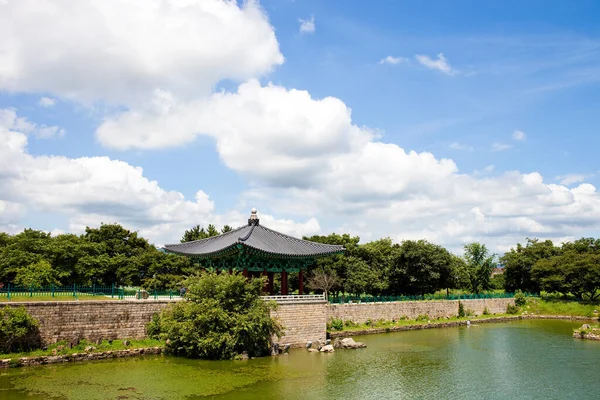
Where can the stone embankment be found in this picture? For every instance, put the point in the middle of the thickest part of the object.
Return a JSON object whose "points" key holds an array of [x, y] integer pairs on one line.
{"points": [[450, 324], [58, 359]]}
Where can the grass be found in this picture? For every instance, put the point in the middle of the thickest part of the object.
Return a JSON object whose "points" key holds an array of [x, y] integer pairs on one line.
{"points": [[27, 298], [62, 348], [558, 307], [350, 326]]}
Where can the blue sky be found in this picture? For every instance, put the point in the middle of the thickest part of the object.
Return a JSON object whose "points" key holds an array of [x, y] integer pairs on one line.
{"points": [[497, 101]]}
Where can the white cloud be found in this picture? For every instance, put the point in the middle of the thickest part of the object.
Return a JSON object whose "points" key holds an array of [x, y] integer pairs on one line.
{"points": [[459, 146], [307, 25], [392, 60], [47, 102], [305, 157], [10, 120], [91, 190], [121, 51], [500, 146], [571, 179], [519, 135], [439, 64]]}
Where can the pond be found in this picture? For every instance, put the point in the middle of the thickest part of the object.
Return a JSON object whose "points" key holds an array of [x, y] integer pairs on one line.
{"points": [[517, 360]]}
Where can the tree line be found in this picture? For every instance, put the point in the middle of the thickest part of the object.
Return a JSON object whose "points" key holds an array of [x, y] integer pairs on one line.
{"points": [[111, 254]]}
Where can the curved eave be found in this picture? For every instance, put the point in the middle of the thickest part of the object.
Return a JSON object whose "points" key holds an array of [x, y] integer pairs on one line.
{"points": [[234, 249]]}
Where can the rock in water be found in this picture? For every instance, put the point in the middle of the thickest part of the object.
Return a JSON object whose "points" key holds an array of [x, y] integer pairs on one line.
{"points": [[337, 343], [286, 348], [308, 344], [349, 343], [586, 326], [275, 349], [316, 345], [313, 350], [327, 349]]}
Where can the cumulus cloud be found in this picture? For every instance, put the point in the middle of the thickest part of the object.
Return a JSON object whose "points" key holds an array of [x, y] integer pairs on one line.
{"points": [[519, 135], [392, 60], [439, 64], [47, 102], [307, 25], [92, 190], [127, 49]]}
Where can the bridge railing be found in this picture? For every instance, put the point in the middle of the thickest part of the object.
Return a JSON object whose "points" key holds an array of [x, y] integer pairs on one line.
{"points": [[304, 298]]}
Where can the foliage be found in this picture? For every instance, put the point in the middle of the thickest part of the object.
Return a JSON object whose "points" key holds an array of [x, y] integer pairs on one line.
{"points": [[322, 281], [571, 272], [520, 299], [223, 316], [461, 310], [420, 267], [486, 311], [198, 233], [36, 275], [18, 330], [519, 261], [479, 266], [512, 309], [336, 324]]}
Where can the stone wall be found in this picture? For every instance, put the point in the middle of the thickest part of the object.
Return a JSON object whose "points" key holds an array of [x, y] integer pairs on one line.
{"points": [[302, 322], [92, 320], [360, 313]]}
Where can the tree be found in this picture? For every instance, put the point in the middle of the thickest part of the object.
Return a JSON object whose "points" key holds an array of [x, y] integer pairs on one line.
{"points": [[363, 278], [226, 228], [198, 233], [519, 261], [221, 317], [420, 267], [37, 275], [479, 266], [323, 281], [572, 272]]}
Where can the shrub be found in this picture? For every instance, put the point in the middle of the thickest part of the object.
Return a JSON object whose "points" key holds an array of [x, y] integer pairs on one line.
{"points": [[520, 299], [222, 316], [486, 311], [512, 309], [336, 324], [422, 317], [349, 323], [461, 310], [18, 330]]}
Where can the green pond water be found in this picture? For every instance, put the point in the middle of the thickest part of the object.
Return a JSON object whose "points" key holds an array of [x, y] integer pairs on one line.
{"points": [[516, 360]]}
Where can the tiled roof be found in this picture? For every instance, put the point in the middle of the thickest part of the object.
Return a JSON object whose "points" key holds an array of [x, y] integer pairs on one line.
{"points": [[257, 237]]}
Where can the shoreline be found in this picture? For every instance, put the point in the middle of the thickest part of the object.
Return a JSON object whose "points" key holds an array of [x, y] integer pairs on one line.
{"points": [[450, 324], [76, 357]]}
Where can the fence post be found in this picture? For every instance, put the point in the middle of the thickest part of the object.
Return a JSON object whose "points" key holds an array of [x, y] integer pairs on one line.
{"points": [[8, 289], [93, 289], [52, 287], [112, 290], [155, 295], [170, 294], [74, 295], [30, 292]]}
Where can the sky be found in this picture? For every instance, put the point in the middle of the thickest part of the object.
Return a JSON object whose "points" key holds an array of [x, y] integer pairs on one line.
{"points": [[447, 121]]}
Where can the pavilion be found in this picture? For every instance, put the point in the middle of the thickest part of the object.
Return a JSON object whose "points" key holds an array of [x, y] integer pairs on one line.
{"points": [[257, 250]]}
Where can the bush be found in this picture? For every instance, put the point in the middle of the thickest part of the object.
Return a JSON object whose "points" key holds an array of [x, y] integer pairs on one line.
{"points": [[486, 311], [349, 323], [336, 324], [461, 310], [422, 317], [222, 316], [512, 309], [18, 330], [520, 299]]}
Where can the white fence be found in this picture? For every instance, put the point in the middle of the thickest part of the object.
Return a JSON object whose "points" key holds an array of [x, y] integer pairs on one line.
{"points": [[305, 298]]}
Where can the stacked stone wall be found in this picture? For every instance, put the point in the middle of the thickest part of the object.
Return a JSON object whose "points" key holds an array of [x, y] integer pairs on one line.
{"points": [[362, 312], [302, 322], [93, 320]]}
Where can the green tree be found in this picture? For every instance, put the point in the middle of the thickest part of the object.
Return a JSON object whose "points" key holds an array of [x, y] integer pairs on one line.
{"points": [[18, 330], [37, 275], [420, 267], [479, 266], [222, 316], [363, 278], [226, 229], [198, 233], [519, 261]]}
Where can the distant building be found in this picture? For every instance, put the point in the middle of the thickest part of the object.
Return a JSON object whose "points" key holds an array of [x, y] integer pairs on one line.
{"points": [[498, 271]]}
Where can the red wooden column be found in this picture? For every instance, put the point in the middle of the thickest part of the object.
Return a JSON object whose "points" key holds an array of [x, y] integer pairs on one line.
{"points": [[245, 273], [271, 285], [284, 283], [301, 282]]}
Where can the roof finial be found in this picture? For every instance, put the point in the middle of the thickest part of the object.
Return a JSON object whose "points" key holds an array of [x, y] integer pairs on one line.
{"points": [[253, 217]]}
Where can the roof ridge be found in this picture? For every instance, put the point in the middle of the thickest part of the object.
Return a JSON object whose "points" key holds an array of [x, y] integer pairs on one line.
{"points": [[220, 235]]}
